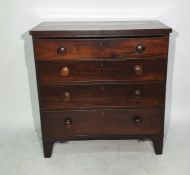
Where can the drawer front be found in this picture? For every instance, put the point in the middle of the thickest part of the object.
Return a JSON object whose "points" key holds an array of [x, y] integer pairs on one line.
{"points": [[105, 95], [57, 125], [81, 71], [79, 49]]}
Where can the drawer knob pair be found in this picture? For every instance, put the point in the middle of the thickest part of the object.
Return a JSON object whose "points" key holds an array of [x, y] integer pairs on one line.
{"points": [[138, 94], [64, 72], [139, 49], [68, 123], [137, 121]]}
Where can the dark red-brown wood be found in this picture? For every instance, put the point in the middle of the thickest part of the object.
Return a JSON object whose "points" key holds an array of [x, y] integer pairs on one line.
{"points": [[102, 71], [88, 123], [101, 80], [87, 49], [100, 29], [101, 96]]}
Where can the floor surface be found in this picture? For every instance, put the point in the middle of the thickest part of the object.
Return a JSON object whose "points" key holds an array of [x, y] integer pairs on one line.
{"points": [[21, 154]]}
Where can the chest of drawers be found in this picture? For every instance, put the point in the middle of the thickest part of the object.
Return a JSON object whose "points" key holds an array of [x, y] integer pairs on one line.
{"points": [[101, 80]]}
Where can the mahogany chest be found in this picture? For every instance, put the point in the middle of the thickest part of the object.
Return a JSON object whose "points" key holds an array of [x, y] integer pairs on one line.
{"points": [[101, 80]]}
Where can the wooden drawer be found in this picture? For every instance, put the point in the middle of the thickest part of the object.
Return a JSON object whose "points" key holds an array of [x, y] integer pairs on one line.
{"points": [[84, 71], [114, 48], [101, 96], [58, 125]]}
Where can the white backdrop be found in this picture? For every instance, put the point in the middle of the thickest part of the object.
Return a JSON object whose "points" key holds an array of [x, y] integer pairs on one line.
{"points": [[20, 151], [18, 104]]}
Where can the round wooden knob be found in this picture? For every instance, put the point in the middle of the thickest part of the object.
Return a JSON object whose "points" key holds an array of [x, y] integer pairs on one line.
{"points": [[138, 94], [66, 96], [137, 121], [61, 50], [138, 70], [140, 48], [64, 71], [68, 122]]}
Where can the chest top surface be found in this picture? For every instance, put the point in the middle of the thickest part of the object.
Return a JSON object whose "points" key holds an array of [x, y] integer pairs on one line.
{"points": [[100, 29]]}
